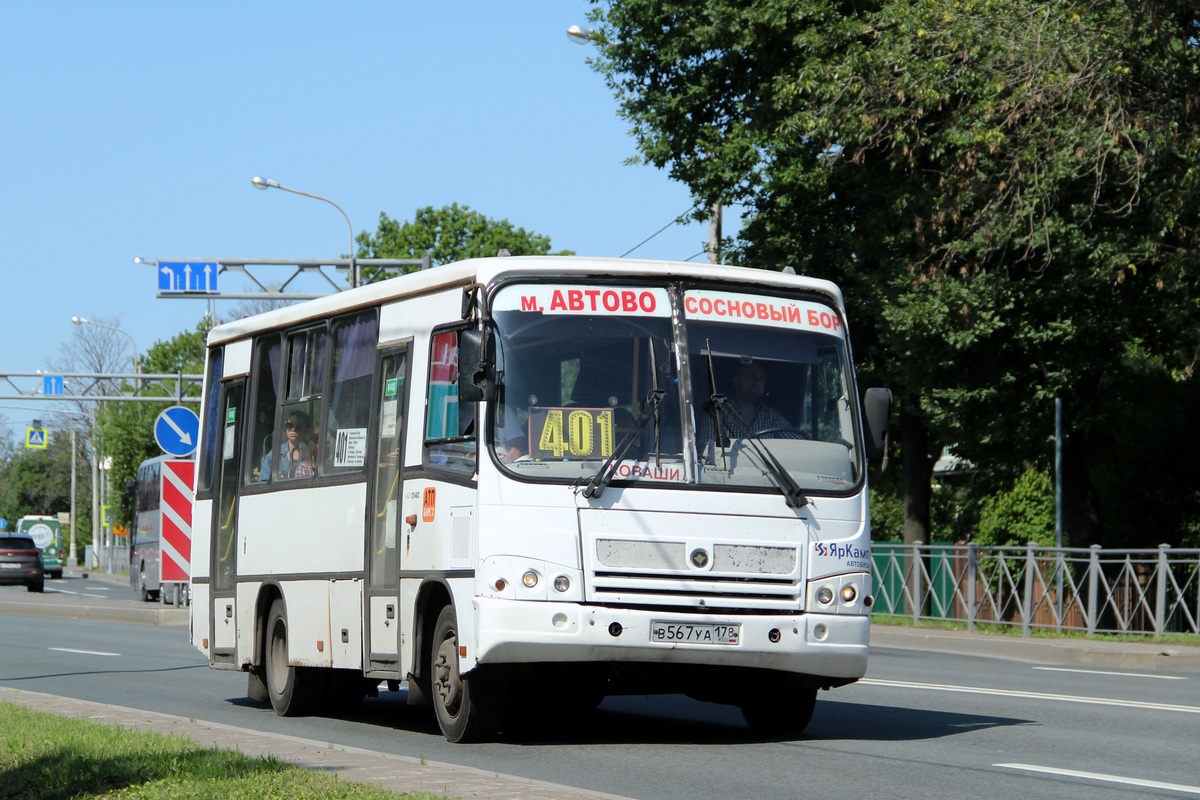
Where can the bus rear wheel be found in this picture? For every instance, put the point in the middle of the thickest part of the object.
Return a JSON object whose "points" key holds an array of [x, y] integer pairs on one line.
{"points": [[468, 709], [292, 690]]}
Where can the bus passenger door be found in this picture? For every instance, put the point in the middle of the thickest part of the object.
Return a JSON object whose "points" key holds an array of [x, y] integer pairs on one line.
{"points": [[383, 612], [224, 535]]}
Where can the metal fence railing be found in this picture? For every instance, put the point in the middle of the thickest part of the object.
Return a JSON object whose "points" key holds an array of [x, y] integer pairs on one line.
{"points": [[1089, 590]]}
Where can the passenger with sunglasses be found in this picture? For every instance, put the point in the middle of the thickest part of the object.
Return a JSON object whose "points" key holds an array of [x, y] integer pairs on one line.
{"points": [[297, 455]]}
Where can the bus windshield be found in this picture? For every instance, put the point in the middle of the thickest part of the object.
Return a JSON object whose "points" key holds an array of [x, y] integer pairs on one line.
{"points": [[772, 393], [591, 373], [578, 370]]}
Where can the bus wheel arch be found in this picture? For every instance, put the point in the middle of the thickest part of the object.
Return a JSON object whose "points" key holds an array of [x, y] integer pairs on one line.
{"points": [[468, 709], [293, 690], [432, 597], [145, 593], [256, 675]]}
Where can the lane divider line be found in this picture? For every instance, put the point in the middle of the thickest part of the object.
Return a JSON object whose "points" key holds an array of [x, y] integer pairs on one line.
{"points": [[1063, 698], [1100, 776]]}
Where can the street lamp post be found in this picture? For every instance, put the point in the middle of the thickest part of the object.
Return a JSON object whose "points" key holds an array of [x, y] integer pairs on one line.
{"points": [[267, 183], [137, 369]]}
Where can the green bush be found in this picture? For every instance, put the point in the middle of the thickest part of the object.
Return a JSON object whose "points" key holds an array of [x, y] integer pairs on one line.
{"points": [[1025, 513]]}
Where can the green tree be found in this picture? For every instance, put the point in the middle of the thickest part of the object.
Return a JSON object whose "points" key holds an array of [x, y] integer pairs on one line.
{"points": [[1004, 190], [450, 233], [37, 481], [125, 430]]}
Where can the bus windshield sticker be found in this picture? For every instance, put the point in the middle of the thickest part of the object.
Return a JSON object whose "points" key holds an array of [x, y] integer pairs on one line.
{"points": [[350, 450], [563, 434], [775, 312], [549, 298]]}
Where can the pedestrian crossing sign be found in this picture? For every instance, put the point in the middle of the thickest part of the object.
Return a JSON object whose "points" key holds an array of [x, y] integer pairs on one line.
{"points": [[35, 438]]}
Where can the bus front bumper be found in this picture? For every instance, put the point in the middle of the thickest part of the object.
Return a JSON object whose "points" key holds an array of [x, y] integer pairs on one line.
{"points": [[517, 632]]}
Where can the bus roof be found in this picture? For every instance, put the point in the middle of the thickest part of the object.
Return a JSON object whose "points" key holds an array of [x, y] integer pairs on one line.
{"points": [[486, 270]]}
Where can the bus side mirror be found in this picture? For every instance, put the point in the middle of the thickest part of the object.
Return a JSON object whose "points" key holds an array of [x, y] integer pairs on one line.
{"points": [[476, 367], [877, 405]]}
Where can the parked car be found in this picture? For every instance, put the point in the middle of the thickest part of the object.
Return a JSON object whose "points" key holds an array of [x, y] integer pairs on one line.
{"points": [[21, 562]]}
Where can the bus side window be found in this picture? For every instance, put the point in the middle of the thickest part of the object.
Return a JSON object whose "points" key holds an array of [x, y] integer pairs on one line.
{"points": [[307, 352], [449, 426], [210, 421], [342, 441], [262, 420]]}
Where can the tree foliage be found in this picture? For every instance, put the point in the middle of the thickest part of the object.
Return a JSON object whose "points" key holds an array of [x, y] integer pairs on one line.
{"points": [[125, 430], [36, 481], [450, 233], [1004, 190], [1023, 514]]}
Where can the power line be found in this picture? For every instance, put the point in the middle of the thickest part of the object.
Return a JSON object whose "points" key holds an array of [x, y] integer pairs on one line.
{"points": [[675, 221]]}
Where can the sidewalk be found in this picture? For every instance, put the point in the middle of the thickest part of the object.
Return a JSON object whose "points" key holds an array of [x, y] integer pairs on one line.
{"points": [[1095, 653], [402, 774]]}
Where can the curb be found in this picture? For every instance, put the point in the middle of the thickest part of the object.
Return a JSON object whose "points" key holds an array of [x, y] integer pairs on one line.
{"points": [[146, 616]]}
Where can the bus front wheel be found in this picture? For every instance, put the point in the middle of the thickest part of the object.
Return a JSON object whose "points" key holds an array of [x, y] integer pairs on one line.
{"points": [[468, 709], [292, 690], [785, 712], [145, 593]]}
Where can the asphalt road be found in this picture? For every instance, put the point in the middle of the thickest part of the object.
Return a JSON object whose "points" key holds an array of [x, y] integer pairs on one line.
{"points": [[921, 725]]}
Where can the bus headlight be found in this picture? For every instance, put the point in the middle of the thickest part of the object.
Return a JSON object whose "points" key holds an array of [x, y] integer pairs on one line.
{"points": [[849, 593], [562, 583], [530, 579], [825, 595]]}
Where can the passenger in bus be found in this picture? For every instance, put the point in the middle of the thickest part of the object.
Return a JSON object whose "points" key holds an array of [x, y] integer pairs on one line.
{"points": [[297, 455], [512, 435], [745, 412]]}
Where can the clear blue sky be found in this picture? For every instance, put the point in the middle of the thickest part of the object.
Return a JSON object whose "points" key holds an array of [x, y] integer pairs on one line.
{"points": [[134, 128]]}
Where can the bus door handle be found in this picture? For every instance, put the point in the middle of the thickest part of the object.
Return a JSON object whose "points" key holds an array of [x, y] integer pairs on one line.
{"points": [[391, 611]]}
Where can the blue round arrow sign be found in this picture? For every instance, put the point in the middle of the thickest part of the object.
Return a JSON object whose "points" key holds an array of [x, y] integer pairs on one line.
{"points": [[176, 431]]}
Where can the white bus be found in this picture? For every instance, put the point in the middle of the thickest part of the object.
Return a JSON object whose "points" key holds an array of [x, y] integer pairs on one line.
{"points": [[526, 481]]}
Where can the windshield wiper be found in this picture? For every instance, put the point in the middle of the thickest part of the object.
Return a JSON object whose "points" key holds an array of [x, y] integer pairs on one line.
{"points": [[793, 495], [601, 479]]}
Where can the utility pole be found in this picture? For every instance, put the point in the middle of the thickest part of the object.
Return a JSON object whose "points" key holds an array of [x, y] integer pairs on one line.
{"points": [[714, 234]]}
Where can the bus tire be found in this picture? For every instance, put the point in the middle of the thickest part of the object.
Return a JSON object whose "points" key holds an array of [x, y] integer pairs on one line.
{"points": [[256, 686], [146, 594], [468, 709], [292, 690], [786, 712]]}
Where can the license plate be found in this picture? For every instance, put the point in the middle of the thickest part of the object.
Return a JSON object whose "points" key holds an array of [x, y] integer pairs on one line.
{"points": [[10, 566], [692, 633]]}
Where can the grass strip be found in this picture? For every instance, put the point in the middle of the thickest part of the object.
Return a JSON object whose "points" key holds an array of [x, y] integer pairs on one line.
{"points": [[45, 756]]}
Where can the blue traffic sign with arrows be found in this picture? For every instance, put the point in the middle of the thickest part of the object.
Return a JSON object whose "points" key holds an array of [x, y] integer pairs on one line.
{"points": [[188, 276], [176, 431]]}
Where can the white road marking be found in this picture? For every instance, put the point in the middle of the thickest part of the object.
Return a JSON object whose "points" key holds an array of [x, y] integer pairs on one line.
{"points": [[83, 652], [1119, 674], [1100, 776], [1063, 698]]}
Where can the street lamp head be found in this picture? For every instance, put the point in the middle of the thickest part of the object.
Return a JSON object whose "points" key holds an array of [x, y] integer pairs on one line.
{"points": [[79, 320], [579, 34], [263, 183], [140, 260]]}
